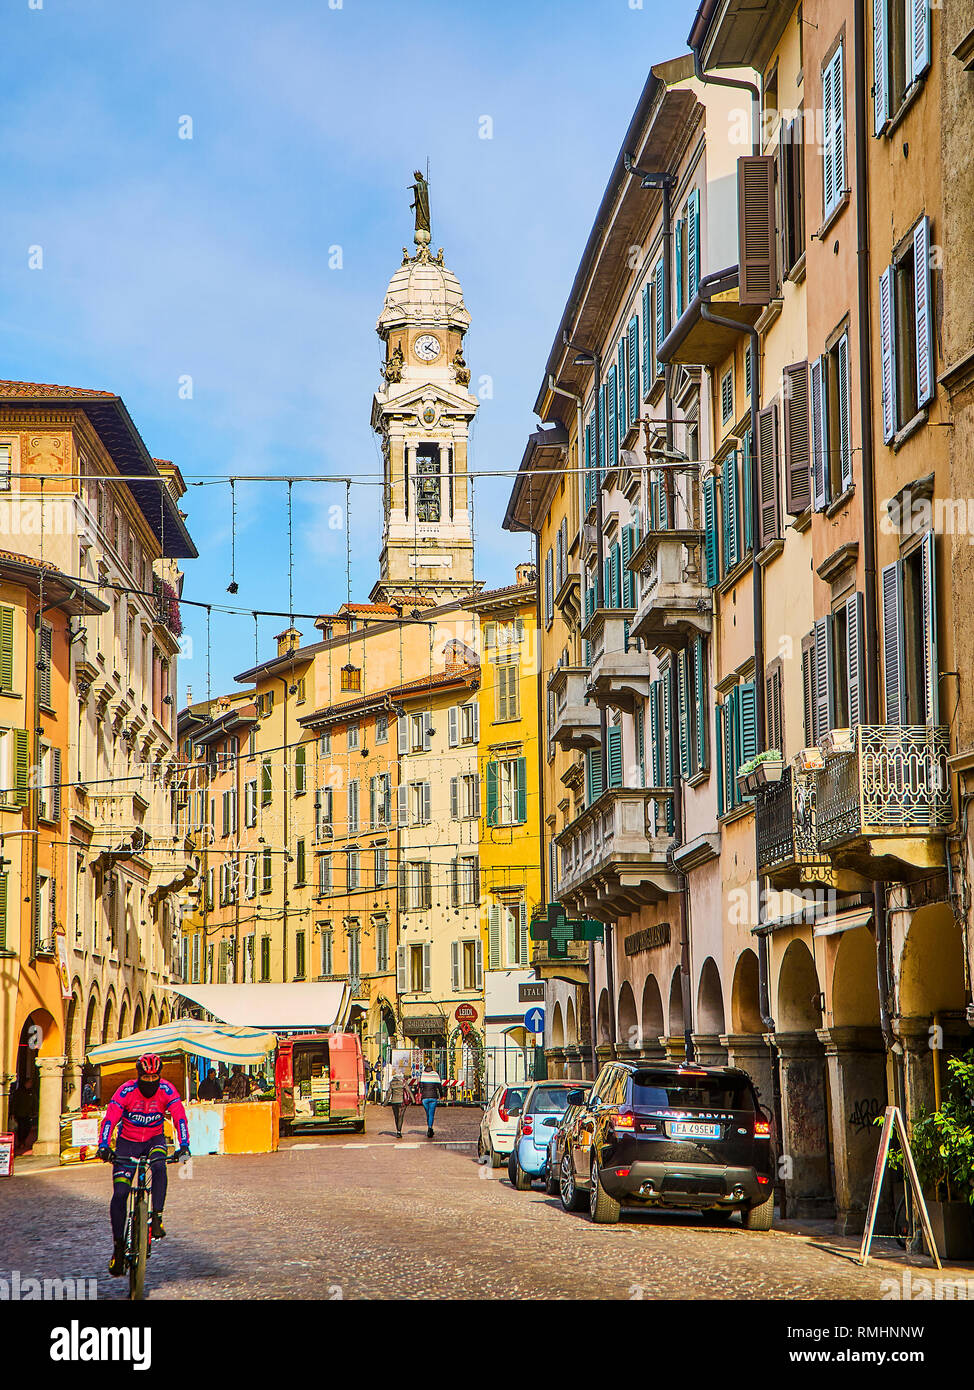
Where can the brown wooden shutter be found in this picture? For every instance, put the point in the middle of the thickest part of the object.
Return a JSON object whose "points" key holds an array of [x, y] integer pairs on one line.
{"points": [[798, 486], [756, 228], [768, 525]]}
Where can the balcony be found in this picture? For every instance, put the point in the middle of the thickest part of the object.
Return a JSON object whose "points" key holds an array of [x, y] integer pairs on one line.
{"points": [[787, 837], [619, 674], [674, 605], [614, 858], [568, 599], [576, 719], [883, 805], [571, 968]]}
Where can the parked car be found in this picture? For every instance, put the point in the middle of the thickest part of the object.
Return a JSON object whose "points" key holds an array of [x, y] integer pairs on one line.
{"points": [[544, 1106], [660, 1135], [560, 1140], [499, 1124]]}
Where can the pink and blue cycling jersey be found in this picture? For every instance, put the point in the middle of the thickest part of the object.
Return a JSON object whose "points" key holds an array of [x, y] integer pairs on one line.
{"points": [[141, 1118]]}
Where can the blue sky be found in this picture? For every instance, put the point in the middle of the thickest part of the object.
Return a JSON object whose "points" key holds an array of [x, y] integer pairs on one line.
{"points": [[166, 257]]}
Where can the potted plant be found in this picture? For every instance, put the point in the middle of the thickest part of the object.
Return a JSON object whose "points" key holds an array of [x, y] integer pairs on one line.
{"points": [[943, 1151], [759, 771]]}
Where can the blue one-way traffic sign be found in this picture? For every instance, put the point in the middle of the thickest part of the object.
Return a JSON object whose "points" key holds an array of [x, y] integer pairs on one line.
{"points": [[534, 1020]]}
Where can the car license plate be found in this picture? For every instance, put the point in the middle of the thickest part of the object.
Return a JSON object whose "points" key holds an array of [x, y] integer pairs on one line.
{"points": [[691, 1129]]}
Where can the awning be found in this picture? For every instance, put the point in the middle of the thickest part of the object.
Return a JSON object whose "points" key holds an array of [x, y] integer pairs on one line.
{"points": [[322, 1004], [844, 921], [213, 1040]]}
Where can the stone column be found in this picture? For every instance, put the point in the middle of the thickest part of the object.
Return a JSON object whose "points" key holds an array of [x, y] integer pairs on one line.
{"points": [[710, 1050], [674, 1049], [804, 1146], [72, 1086], [856, 1060], [556, 1063], [574, 1069], [49, 1114], [7, 1080], [751, 1053]]}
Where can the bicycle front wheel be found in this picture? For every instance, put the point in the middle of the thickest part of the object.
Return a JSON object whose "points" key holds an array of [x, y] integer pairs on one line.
{"points": [[139, 1247]]}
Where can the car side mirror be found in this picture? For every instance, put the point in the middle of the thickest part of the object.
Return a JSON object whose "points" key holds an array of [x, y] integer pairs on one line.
{"points": [[578, 1097]]}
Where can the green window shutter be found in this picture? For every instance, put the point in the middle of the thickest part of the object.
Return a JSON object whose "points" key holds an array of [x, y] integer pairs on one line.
{"points": [[647, 319], [602, 436], [666, 730], [731, 761], [21, 754], [747, 713], [711, 545], [3, 912], [615, 576], [693, 243], [265, 781], [493, 937], [680, 287], [491, 774], [593, 774], [654, 695], [747, 512], [6, 648], [521, 810], [731, 525], [683, 694], [300, 769], [700, 692], [622, 415], [522, 928], [628, 578], [639, 721], [719, 727], [660, 315], [614, 736], [633, 370], [611, 436]]}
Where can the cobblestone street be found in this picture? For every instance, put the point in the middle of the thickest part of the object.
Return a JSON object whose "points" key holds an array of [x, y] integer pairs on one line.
{"points": [[361, 1216]]}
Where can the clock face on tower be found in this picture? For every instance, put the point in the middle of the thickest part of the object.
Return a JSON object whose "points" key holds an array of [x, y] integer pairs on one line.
{"points": [[427, 347]]}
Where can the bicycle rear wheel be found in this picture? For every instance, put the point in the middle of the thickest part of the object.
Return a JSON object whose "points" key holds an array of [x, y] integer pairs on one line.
{"points": [[139, 1247]]}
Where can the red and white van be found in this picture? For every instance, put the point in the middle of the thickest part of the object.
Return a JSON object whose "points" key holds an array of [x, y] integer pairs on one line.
{"points": [[320, 1081]]}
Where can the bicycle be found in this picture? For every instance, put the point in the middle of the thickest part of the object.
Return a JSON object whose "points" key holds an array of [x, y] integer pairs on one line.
{"points": [[138, 1226]]}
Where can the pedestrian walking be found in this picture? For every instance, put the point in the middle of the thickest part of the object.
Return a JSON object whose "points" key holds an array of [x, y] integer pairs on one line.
{"points": [[397, 1098], [430, 1091]]}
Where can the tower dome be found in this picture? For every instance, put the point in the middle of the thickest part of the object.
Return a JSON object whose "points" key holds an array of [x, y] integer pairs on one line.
{"points": [[423, 292]]}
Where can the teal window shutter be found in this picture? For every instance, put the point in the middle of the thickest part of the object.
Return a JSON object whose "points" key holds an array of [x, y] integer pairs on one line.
{"points": [[747, 463], [657, 769], [593, 770], [614, 735], [719, 729], [589, 476], [602, 436], [684, 713], [731, 526], [639, 721], [628, 578], [647, 320], [521, 797], [700, 691], [693, 244], [491, 773], [666, 730], [633, 371], [747, 713], [611, 435], [622, 415], [615, 575], [680, 287], [711, 545], [660, 317]]}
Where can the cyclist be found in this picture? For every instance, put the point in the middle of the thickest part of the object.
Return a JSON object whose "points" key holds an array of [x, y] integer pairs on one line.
{"points": [[139, 1108]]}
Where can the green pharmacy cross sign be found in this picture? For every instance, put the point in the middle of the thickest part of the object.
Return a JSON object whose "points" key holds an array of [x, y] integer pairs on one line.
{"points": [[557, 928]]}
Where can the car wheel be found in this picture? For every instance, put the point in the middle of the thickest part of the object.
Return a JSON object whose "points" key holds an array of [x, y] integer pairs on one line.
{"points": [[551, 1182], [522, 1180], [496, 1159], [511, 1160], [760, 1217], [603, 1209], [571, 1199], [480, 1146]]}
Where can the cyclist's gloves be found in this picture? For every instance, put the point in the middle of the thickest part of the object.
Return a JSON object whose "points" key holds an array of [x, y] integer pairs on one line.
{"points": [[105, 1153], [183, 1153]]}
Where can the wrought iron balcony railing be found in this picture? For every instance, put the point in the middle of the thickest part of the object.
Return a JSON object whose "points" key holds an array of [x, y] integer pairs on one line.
{"points": [[787, 836], [886, 800]]}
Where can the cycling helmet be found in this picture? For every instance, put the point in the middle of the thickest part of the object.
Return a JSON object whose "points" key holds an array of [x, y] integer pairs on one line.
{"points": [[149, 1066]]}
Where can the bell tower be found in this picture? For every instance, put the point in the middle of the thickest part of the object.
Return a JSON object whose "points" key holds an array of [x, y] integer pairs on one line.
{"points": [[422, 412]]}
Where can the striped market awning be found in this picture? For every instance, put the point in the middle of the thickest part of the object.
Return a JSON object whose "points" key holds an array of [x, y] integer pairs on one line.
{"points": [[217, 1041]]}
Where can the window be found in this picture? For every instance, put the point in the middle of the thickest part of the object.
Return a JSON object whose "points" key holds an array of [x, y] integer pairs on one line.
{"points": [[267, 877], [692, 688], [197, 944], [736, 742], [228, 808], [324, 743], [250, 876], [301, 691], [6, 454], [44, 665], [416, 884], [507, 936], [769, 505], [324, 874], [300, 863], [351, 678], [465, 881], [382, 728], [353, 808], [901, 54], [352, 737], [909, 618], [830, 424], [507, 704], [351, 871], [467, 965], [419, 969], [250, 803], [355, 954], [833, 139], [323, 820], [381, 866], [420, 803], [265, 958], [266, 783], [727, 397], [465, 797], [798, 485], [774, 705], [420, 727], [463, 724], [791, 184], [549, 588], [300, 770], [326, 951], [687, 250], [507, 791], [299, 967], [381, 946], [906, 332]]}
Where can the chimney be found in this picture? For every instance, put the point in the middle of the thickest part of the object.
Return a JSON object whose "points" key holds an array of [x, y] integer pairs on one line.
{"points": [[287, 641], [524, 575]]}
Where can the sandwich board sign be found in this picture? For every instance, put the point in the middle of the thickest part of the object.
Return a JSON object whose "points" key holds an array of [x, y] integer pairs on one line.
{"points": [[894, 1117]]}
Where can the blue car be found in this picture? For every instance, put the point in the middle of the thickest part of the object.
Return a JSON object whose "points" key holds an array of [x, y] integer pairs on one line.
{"points": [[542, 1111]]}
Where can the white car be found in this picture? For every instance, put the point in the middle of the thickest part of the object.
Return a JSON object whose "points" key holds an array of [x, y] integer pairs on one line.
{"points": [[499, 1124]]}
